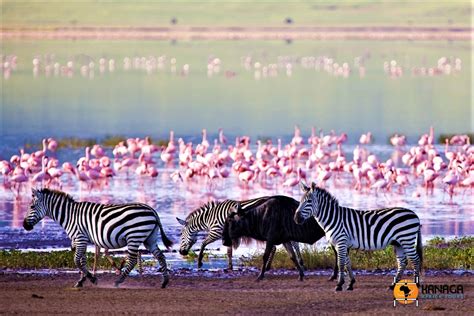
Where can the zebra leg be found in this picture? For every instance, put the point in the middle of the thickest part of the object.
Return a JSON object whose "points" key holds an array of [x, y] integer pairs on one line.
{"points": [[341, 258], [206, 242], [416, 260], [140, 263], [96, 257], [291, 252], [130, 263], [296, 247], [266, 256], [229, 258], [351, 274], [158, 254], [80, 261], [334, 272], [401, 263], [268, 267]]}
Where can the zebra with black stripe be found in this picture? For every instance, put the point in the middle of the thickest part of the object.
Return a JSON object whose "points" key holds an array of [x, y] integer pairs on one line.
{"points": [[109, 226], [211, 217], [347, 228]]}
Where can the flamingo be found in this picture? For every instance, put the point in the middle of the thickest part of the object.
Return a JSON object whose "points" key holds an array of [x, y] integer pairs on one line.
{"points": [[365, 138]]}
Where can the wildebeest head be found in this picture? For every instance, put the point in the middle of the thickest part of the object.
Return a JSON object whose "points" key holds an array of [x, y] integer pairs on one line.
{"points": [[233, 227], [37, 210]]}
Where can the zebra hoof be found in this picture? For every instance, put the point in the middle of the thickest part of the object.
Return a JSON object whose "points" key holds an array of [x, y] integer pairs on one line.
{"points": [[338, 288], [78, 285], [350, 288], [117, 283]]}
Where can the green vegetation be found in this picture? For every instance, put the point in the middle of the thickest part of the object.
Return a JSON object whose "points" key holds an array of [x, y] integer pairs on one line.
{"points": [[442, 137], [49, 14], [12, 259], [438, 254]]}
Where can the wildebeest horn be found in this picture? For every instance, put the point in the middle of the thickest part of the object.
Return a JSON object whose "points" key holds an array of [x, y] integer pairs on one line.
{"points": [[181, 221]]}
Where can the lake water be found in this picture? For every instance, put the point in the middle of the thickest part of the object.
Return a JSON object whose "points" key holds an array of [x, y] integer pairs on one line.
{"points": [[238, 95]]}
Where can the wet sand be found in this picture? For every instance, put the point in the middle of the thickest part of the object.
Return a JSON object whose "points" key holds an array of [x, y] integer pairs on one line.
{"points": [[231, 294]]}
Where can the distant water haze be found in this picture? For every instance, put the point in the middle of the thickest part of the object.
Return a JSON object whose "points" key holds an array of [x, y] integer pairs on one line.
{"points": [[132, 102]]}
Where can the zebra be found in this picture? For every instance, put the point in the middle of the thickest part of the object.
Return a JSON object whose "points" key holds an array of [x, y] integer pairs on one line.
{"points": [[108, 226], [347, 228], [211, 217]]}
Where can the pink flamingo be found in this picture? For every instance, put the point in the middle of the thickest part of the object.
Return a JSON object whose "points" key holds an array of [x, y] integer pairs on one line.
{"points": [[365, 138], [52, 145], [43, 175], [451, 179]]}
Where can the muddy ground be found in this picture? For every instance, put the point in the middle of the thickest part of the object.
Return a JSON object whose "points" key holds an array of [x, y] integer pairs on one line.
{"points": [[227, 294]]}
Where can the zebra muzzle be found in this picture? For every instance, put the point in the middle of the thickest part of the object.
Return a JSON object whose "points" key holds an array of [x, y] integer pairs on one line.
{"points": [[27, 226]]}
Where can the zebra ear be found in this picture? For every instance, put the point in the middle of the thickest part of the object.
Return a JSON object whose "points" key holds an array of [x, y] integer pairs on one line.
{"points": [[303, 186], [34, 192], [182, 222], [313, 186]]}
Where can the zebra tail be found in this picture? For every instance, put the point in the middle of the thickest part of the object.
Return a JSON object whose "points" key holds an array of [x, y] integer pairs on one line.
{"points": [[419, 248], [166, 241]]}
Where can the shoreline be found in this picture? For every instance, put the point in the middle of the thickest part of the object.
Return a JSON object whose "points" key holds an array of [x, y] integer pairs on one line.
{"points": [[240, 33], [201, 295]]}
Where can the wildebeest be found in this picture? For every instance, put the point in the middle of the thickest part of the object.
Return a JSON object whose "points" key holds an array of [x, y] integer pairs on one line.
{"points": [[272, 222], [211, 217]]}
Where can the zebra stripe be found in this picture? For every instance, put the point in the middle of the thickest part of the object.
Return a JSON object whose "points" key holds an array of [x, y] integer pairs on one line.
{"points": [[210, 217], [347, 228], [108, 226]]}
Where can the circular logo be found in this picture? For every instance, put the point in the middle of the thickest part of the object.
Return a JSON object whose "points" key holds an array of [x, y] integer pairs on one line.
{"points": [[405, 292]]}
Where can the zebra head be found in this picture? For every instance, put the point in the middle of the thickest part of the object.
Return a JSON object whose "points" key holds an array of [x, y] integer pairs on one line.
{"points": [[309, 203], [37, 210], [188, 236]]}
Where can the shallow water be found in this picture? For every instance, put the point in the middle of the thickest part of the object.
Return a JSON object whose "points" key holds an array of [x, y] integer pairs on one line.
{"points": [[135, 103], [439, 215]]}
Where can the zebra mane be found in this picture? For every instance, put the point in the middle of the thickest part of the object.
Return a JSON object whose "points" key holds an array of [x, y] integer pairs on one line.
{"points": [[324, 193], [199, 210], [47, 191]]}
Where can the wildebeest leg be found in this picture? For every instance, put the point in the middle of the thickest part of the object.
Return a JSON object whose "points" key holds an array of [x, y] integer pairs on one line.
{"points": [[270, 259], [296, 247], [80, 260], [130, 263], [291, 252], [334, 272], [266, 256], [208, 240], [229, 258]]}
